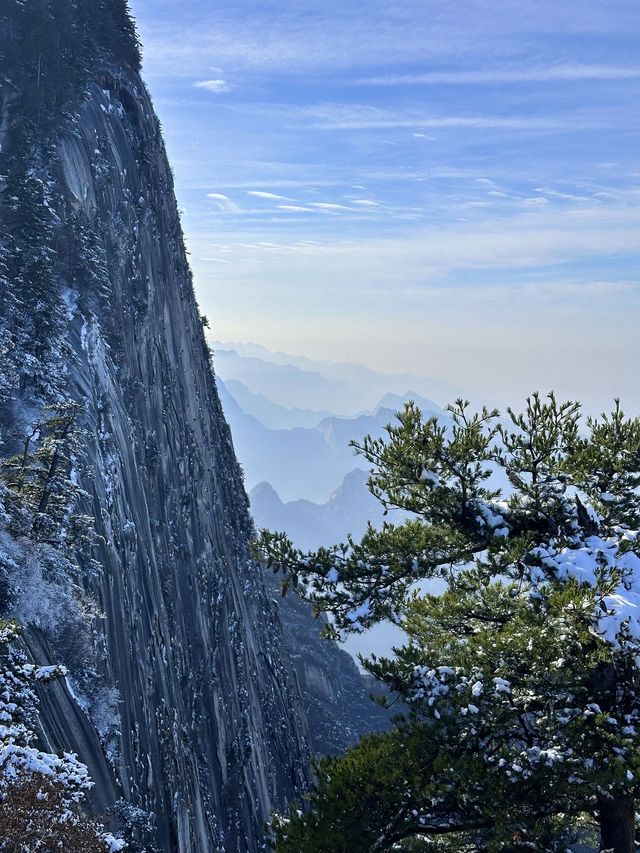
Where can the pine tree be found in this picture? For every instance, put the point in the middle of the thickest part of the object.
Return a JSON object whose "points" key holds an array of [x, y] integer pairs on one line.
{"points": [[42, 488], [118, 36], [522, 677], [31, 308]]}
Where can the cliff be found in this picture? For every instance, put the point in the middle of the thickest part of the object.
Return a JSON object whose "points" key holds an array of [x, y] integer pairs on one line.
{"points": [[337, 697], [206, 731]]}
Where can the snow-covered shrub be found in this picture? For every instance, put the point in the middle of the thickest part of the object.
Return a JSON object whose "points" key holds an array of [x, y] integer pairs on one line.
{"points": [[34, 815], [41, 794]]}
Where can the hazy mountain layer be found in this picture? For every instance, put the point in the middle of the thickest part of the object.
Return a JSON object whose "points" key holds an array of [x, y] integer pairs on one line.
{"points": [[303, 463], [311, 525], [295, 381], [271, 414]]}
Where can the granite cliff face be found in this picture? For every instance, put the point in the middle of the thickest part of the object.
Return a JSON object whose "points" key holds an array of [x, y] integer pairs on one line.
{"points": [[207, 730], [337, 697]]}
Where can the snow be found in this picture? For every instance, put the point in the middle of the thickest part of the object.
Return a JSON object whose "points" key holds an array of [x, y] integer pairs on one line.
{"points": [[19, 759], [600, 563], [430, 683], [430, 477], [361, 612], [39, 578], [490, 515], [18, 704], [44, 673]]}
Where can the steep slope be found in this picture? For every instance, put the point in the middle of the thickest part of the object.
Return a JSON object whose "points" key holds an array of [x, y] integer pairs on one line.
{"points": [[97, 306], [337, 697]]}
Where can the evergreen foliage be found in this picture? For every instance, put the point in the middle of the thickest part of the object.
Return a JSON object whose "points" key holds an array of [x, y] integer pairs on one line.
{"points": [[42, 491], [52, 45], [520, 683], [31, 308]]}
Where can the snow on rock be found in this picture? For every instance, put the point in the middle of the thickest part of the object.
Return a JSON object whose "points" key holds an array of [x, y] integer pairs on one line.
{"points": [[18, 708], [20, 760]]}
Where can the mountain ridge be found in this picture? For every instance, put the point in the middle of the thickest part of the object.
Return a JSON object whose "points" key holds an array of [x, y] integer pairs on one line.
{"points": [[357, 371], [301, 462], [342, 388]]}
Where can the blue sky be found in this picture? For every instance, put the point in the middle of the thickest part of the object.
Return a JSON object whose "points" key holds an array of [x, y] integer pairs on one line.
{"points": [[450, 188]]}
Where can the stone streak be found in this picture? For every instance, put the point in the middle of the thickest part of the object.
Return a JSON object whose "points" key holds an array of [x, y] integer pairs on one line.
{"points": [[212, 727]]}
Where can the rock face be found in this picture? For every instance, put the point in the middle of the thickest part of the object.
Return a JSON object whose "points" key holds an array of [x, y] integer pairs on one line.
{"points": [[97, 306], [337, 698]]}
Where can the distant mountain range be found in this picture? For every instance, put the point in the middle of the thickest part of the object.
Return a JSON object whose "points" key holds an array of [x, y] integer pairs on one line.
{"points": [[291, 421], [311, 525], [299, 462], [319, 386], [270, 414]]}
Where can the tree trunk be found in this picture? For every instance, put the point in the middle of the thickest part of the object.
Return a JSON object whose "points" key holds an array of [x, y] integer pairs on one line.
{"points": [[46, 488], [617, 824]]}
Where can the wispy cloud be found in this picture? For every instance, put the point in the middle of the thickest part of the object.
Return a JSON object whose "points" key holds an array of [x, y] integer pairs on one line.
{"points": [[219, 87], [294, 208], [483, 76], [362, 122], [532, 240], [371, 118], [326, 205], [355, 116], [224, 202], [266, 195], [363, 34]]}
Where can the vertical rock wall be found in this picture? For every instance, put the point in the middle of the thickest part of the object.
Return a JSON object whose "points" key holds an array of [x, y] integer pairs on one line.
{"points": [[211, 731]]}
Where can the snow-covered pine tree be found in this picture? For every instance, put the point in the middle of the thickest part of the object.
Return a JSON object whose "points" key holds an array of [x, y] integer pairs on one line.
{"points": [[520, 681], [41, 485]]}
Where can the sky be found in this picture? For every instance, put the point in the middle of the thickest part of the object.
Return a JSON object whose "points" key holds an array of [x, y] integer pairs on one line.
{"points": [[446, 188]]}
